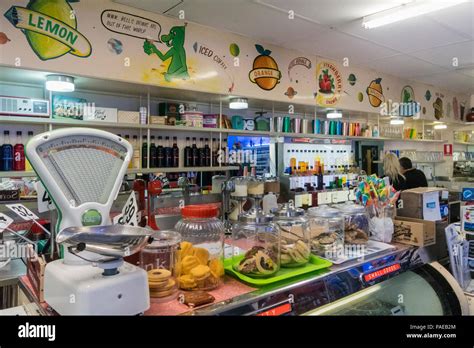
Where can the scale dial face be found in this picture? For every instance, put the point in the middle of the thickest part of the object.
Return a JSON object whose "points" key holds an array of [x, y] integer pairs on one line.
{"points": [[84, 166]]}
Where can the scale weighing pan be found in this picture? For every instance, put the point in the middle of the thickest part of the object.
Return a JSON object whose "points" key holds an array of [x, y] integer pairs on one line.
{"points": [[115, 241]]}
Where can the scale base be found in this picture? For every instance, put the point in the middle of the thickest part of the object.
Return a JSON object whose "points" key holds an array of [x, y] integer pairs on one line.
{"points": [[83, 290]]}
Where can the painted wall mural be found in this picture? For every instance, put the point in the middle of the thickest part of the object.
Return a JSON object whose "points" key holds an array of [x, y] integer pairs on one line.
{"points": [[106, 40], [329, 84], [50, 26]]}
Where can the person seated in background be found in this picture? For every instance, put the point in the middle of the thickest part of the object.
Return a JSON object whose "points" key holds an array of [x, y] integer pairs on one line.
{"points": [[392, 169], [413, 177]]}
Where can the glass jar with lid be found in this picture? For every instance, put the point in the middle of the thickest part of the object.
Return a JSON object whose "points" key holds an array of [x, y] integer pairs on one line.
{"points": [[295, 246], [255, 186], [200, 262], [326, 230], [356, 223], [256, 245], [240, 187], [272, 184], [160, 259]]}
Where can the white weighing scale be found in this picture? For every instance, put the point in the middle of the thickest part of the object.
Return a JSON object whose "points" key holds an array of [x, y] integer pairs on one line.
{"points": [[82, 170]]}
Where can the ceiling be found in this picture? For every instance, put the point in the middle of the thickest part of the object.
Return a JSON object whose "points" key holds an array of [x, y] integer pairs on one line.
{"points": [[421, 48]]}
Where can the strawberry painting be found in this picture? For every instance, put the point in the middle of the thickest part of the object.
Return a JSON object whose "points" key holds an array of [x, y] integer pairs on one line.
{"points": [[326, 82]]}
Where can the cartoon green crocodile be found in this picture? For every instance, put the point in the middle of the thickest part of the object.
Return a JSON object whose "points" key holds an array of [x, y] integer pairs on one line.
{"points": [[175, 39]]}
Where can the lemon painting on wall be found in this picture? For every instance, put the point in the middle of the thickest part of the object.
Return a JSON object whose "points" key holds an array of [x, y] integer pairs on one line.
{"points": [[265, 72], [50, 26]]}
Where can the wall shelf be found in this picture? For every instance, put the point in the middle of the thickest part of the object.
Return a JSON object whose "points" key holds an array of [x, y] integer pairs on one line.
{"points": [[181, 170], [463, 143], [18, 174]]}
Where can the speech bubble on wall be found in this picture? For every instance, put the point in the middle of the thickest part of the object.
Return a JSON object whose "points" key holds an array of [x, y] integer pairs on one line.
{"points": [[131, 25]]}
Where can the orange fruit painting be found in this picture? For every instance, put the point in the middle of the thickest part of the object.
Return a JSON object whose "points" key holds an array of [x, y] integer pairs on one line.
{"points": [[265, 72]]}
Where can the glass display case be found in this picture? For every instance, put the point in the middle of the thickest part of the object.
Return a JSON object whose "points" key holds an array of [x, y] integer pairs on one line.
{"points": [[422, 291]]}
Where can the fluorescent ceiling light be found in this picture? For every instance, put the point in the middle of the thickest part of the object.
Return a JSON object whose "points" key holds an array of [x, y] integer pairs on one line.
{"points": [[238, 103], [405, 11], [60, 83], [440, 126], [334, 114], [397, 121]]}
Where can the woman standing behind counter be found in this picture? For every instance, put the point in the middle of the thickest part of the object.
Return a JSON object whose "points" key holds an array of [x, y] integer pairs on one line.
{"points": [[392, 169]]}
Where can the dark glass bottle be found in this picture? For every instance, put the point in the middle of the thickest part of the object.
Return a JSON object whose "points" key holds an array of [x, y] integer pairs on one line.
{"points": [[153, 153], [175, 152], [188, 154], [224, 153], [215, 152], [168, 153], [19, 153], [160, 153], [144, 151], [207, 153], [195, 154], [7, 152], [202, 156]]}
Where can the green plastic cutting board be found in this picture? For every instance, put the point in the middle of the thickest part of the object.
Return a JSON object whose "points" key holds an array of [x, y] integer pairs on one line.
{"points": [[315, 263]]}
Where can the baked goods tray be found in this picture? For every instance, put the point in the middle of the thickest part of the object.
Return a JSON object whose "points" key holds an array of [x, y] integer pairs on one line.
{"points": [[315, 263]]}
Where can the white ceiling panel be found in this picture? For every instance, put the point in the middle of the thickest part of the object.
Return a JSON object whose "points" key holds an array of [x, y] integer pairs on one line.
{"points": [[337, 45], [444, 56], [408, 35], [333, 12], [459, 18], [405, 66], [451, 81], [467, 72]]}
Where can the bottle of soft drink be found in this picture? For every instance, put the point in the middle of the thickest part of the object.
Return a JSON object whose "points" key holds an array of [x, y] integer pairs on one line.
{"points": [[28, 167], [7, 152], [19, 153]]}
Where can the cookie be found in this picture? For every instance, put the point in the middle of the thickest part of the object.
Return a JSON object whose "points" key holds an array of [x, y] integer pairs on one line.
{"points": [[158, 275], [200, 272], [198, 298], [188, 263], [202, 255], [187, 282], [217, 267], [162, 286], [162, 293], [186, 249]]}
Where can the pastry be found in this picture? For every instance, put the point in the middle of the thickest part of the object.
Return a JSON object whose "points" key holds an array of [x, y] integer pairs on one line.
{"points": [[258, 261], [200, 272], [187, 282], [354, 235], [188, 263], [217, 268], [202, 255], [296, 254], [186, 249], [197, 298]]}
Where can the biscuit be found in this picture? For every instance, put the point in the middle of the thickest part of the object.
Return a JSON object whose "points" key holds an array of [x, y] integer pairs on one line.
{"points": [[161, 286], [158, 275], [202, 255], [200, 272], [162, 293], [188, 263], [187, 282]]}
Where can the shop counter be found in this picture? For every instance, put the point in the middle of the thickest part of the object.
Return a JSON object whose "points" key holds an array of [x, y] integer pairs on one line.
{"points": [[369, 286]]}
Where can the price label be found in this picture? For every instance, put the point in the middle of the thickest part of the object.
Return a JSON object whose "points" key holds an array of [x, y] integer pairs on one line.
{"points": [[45, 203], [129, 212], [22, 211], [276, 311], [5, 221]]}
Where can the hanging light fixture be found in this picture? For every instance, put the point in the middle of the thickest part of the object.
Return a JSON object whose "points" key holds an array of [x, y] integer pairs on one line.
{"points": [[440, 126], [238, 103], [334, 114], [397, 121], [60, 83], [405, 11]]}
